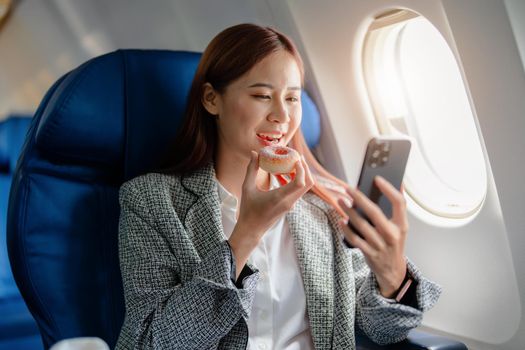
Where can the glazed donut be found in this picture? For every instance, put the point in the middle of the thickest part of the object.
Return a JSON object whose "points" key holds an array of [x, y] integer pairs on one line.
{"points": [[278, 159]]}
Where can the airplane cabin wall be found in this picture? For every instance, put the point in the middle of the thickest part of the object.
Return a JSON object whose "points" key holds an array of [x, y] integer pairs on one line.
{"points": [[35, 49], [516, 12], [496, 77]]}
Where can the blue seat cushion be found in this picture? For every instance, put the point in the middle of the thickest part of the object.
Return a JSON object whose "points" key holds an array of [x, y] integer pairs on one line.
{"points": [[18, 329], [15, 319], [8, 287], [31, 342], [13, 132], [311, 123]]}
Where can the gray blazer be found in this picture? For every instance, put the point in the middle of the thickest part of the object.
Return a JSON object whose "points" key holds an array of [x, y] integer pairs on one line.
{"points": [[176, 268]]}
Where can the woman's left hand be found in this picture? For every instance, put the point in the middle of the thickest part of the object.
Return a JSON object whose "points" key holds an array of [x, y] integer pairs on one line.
{"points": [[383, 242]]}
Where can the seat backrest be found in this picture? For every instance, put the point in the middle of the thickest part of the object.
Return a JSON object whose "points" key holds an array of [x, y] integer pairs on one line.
{"points": [[109, 120], [13, 132]]}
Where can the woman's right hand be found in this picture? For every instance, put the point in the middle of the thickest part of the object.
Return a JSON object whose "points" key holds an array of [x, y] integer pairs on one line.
{"points": [[260, 210]]}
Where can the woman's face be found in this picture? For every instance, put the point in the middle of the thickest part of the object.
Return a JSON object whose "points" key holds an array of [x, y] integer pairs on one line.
{"points": [[261, 108]]}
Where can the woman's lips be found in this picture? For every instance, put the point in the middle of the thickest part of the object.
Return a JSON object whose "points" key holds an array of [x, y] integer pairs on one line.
{"points": [[267, 140]]}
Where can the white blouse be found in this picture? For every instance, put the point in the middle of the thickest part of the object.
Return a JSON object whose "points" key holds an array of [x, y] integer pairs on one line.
{"points": [[278, 319]]}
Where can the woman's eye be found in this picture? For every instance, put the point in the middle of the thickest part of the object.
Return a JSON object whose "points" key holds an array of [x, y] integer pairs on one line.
{"points": [[262, 97], [293, 99]]}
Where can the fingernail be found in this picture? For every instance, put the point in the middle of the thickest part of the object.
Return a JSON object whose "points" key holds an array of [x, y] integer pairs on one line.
{"points": [[347, 202]]}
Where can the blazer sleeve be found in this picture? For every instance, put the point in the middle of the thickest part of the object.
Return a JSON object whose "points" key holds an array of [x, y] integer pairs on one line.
{"points": [[384, 320], [161, 311]]}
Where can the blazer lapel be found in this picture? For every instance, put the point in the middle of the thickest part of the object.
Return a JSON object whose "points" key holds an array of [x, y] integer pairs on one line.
{"points": [[314, 247], [203, 218]]}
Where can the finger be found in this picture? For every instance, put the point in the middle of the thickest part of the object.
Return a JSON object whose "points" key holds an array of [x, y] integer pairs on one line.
{"points": [[355, 240], [344, 203], [295, 188], [359, 224], [366, 230], [370, 210], [299, 180], [308, 178], [287, 194], [310, 181], [398, 201], [251, 171]]}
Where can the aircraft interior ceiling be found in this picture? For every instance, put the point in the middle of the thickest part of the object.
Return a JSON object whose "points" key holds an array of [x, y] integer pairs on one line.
{"points": [[478, 260]]}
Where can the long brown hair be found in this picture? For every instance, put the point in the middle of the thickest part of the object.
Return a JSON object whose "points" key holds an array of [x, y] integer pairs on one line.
{"points": [[232, 53]]}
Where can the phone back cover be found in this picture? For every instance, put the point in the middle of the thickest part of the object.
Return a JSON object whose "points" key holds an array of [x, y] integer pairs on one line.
{"points": [[392, 170]]}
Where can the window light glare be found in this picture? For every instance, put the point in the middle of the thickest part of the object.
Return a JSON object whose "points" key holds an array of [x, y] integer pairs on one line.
{"points": [[386, 75], [440, 107]]}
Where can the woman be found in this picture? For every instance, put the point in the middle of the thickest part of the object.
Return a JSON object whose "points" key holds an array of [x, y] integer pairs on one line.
{"points": [[216, 254]]}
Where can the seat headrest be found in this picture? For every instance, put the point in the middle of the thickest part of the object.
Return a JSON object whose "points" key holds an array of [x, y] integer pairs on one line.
{"points": [[95, 112], [311, 122]]}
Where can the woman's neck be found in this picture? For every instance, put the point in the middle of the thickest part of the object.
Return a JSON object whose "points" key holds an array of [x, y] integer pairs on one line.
{"points": [[230, 170]]}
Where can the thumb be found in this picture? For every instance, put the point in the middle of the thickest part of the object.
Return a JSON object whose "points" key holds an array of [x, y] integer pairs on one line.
{"points": [[251, 170]]}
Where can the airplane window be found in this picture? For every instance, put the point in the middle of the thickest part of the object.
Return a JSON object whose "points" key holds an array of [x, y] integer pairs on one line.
{"points": [[416, 88]]}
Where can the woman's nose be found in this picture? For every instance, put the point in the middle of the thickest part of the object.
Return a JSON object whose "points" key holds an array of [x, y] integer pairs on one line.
{"points": [[279, 112]]}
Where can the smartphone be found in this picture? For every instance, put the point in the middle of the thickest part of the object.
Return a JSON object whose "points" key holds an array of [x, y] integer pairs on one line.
{"points": [[386, 156]]}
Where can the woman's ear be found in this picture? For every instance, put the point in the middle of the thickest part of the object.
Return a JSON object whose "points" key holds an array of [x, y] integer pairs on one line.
{"points": [[210, 99]]}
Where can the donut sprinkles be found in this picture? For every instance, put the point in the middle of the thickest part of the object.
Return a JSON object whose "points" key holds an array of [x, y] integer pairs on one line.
{"points": [[278, 159]]}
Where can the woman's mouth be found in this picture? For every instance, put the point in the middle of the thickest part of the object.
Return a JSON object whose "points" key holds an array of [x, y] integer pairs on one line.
{"points": [[269, 139]]}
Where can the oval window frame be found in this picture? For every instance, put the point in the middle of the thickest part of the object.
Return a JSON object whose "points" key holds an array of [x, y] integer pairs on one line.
{"points": [[460, 210]]}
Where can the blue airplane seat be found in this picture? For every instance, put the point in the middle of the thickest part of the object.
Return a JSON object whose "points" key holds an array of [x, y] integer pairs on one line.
{"points": [[18, 329], [109, 120]]}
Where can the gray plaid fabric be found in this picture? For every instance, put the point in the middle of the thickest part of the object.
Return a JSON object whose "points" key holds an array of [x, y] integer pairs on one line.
{"points": [[176, 267]]}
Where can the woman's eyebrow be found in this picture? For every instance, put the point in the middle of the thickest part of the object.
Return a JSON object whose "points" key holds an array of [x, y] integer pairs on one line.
{"points": [[270, 86]]}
